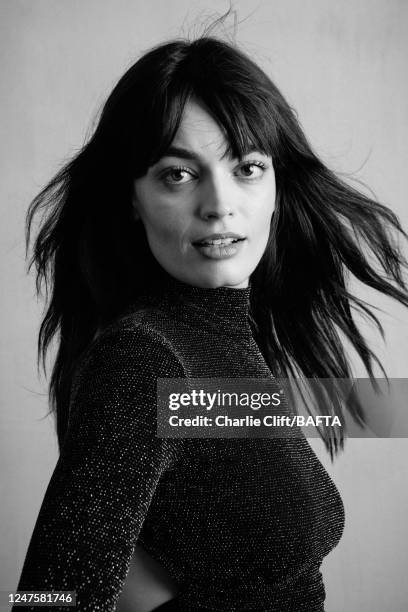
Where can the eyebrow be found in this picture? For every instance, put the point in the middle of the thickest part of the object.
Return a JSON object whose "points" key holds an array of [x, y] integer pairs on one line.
{"points": [[180, 152], [184, 153]]}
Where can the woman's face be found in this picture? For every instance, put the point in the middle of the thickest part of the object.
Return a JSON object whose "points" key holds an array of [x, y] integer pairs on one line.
{"points": [[207, 216]]}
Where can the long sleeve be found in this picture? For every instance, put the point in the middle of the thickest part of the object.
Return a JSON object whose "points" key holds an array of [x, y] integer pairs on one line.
{"points": [[109, 467]]}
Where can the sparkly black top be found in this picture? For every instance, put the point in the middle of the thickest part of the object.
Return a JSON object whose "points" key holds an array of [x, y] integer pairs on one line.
{"points": [[240, 524]]}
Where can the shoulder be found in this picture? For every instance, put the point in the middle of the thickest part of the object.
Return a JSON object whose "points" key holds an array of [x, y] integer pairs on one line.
{"points": [[130, 349], [134, 335]]}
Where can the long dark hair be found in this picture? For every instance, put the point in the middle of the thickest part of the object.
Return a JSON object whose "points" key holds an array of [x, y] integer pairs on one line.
{"points": [[93, 259]]}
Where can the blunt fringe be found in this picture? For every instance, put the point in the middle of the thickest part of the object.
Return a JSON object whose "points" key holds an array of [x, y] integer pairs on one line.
{"points": [[93, 260]]}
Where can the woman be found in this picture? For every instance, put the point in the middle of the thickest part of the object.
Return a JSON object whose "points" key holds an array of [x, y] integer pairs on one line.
{"points": [[196, 235]]}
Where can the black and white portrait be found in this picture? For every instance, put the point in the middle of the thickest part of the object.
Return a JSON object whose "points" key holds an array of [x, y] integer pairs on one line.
{"points": [[204, 306]]}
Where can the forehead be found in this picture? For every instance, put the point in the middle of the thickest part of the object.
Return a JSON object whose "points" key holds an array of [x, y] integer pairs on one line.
{"points": [[200, 133]]}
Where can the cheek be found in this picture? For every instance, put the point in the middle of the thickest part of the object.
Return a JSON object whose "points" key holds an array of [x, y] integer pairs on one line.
{"points": [[163, 224], [263, 201], [155, 217], [263, 215]]}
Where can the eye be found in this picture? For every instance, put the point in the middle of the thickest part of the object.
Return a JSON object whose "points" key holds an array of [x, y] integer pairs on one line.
{"points": [[251, 170], [178, 175]]}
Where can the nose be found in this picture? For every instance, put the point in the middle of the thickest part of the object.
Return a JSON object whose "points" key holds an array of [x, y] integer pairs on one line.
{"points": [[216, 199]]}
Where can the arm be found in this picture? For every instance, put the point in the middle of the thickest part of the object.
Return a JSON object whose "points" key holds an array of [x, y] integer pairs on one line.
{"points": [[107, 472]]}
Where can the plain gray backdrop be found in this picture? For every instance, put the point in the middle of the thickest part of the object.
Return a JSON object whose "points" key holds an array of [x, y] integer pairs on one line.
{"points": [[342, 66]]}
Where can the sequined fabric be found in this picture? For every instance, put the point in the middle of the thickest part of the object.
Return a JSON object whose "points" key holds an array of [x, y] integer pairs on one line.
{"points": [[240, 524]]}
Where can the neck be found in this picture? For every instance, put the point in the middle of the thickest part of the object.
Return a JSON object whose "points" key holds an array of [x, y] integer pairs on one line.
{"points": [[223, 309]]}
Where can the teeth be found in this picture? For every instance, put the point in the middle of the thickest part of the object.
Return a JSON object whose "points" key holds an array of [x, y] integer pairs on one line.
{"points": [[219, 241]]}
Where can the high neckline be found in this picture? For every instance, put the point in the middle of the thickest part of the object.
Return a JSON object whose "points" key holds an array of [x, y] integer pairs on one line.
{"points": [[223, 310]]}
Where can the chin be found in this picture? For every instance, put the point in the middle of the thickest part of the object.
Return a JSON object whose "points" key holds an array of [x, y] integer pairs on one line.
{"points": [[212, 276], [215, 279]]}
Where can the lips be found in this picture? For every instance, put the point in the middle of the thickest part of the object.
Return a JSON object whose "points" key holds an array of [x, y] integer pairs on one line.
{"points": [[223, 239], [219, 246]]}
